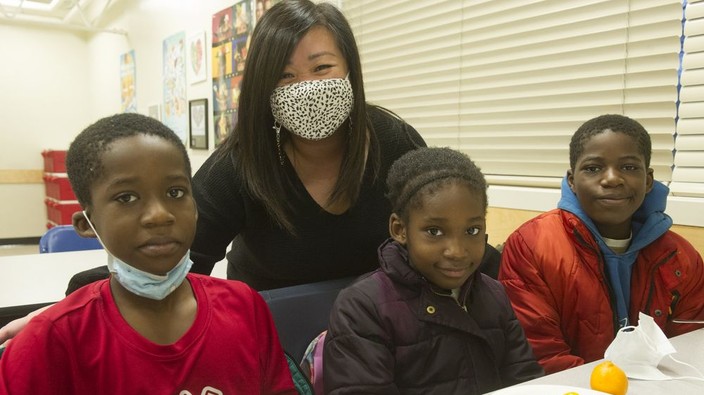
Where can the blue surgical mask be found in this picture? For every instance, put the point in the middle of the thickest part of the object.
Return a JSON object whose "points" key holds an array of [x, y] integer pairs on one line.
{"points": [[142, 283]]}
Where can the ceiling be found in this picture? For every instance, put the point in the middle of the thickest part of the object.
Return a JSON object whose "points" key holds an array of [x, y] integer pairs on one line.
{"points": [[84, 15]]}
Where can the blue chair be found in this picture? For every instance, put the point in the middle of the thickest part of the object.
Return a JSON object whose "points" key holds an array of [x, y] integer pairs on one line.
{"points": [[301, 312], [62, 238]]}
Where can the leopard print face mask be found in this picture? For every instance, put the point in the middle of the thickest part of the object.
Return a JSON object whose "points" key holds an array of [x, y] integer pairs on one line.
{"points": [[313, 109]]}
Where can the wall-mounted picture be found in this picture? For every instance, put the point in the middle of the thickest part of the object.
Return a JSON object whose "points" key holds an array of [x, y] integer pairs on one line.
{"points": [[196, 58], [231, 32], [198, 121], [174, 113], [262, 6], [128, 82], [155, 112]]}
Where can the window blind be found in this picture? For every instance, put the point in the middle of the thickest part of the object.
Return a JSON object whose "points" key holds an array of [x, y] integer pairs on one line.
{"points": [[508, 82], [688, 175]]}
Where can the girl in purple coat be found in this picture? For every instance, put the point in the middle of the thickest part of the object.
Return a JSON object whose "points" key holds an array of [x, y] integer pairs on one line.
{"points": [[427, 322]]}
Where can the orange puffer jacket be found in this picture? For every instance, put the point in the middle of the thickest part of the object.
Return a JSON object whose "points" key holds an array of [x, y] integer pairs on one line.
{"points": [[553, 272]]}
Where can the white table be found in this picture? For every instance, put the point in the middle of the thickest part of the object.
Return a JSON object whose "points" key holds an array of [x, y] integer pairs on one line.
{"points": [[690, 349], [43, 278]]}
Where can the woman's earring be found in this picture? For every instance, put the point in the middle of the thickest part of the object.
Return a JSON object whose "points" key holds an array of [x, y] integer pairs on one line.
{"points": [[278, 143]]}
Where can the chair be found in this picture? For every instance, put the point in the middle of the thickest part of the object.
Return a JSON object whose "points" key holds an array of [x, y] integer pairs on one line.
{"points": [[62, 238], [491, 261], [301, 312]]}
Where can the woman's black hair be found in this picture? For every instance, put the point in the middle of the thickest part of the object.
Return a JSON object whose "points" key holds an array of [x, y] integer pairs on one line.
{"points": [[252, 144]]}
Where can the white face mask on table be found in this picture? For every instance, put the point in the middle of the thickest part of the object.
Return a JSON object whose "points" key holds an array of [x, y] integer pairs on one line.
{"points": [[638, 350]]}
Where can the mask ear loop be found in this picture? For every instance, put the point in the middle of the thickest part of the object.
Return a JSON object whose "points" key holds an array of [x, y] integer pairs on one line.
{"points": [[85, 215], [111, 266], [349, 117], [628, 328], [277, 127], [698, 378]]}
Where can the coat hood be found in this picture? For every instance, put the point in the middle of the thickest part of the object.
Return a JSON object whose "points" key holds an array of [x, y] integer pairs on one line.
{"points": [[648, 223], [393, 260]]}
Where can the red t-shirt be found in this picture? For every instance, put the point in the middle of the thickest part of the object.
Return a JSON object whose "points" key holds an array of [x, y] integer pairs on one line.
{"points": [[82, 345]]}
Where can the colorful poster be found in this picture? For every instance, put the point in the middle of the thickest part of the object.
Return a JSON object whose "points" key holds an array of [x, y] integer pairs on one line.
{"points": [[196, 58], [128, 80], [175, 106], [262, 6], [232, 28]]}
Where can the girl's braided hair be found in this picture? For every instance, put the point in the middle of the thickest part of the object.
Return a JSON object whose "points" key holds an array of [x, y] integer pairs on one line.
{"points": [[423, 171]]}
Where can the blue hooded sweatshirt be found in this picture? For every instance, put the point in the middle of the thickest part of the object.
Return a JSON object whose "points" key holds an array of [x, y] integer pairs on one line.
{"points": [[648, 223]]}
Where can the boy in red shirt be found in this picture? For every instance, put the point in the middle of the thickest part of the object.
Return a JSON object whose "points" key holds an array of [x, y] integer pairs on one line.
{"points": [[145, 329]]}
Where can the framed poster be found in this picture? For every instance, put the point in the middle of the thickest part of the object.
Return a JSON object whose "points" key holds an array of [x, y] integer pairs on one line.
{"points": [[198, 123]]}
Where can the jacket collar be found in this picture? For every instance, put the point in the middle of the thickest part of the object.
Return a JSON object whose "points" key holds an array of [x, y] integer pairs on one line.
{"points": [[432, 304], [649, 222], [394, 261]]}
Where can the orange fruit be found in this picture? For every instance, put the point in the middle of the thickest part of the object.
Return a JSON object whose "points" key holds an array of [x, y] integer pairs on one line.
{"points": [[609, 378]]}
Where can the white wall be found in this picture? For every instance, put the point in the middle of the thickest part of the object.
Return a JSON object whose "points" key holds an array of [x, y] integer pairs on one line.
{"points": [[44, 101], [54, 82], [148, 23]]}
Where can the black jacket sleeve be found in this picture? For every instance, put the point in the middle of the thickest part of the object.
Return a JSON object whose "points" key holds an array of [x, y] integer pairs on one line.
{"points": [[221, 211]]}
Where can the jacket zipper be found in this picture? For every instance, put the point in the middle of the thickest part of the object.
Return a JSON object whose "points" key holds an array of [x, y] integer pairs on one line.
{"points": [[463, 307]]}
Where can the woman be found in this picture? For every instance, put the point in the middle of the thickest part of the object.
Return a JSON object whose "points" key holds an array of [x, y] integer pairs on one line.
{"points": [[298, 186]]}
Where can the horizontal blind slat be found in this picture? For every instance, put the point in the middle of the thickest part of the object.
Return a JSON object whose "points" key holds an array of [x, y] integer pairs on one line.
{"points": [[509, 81]]}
